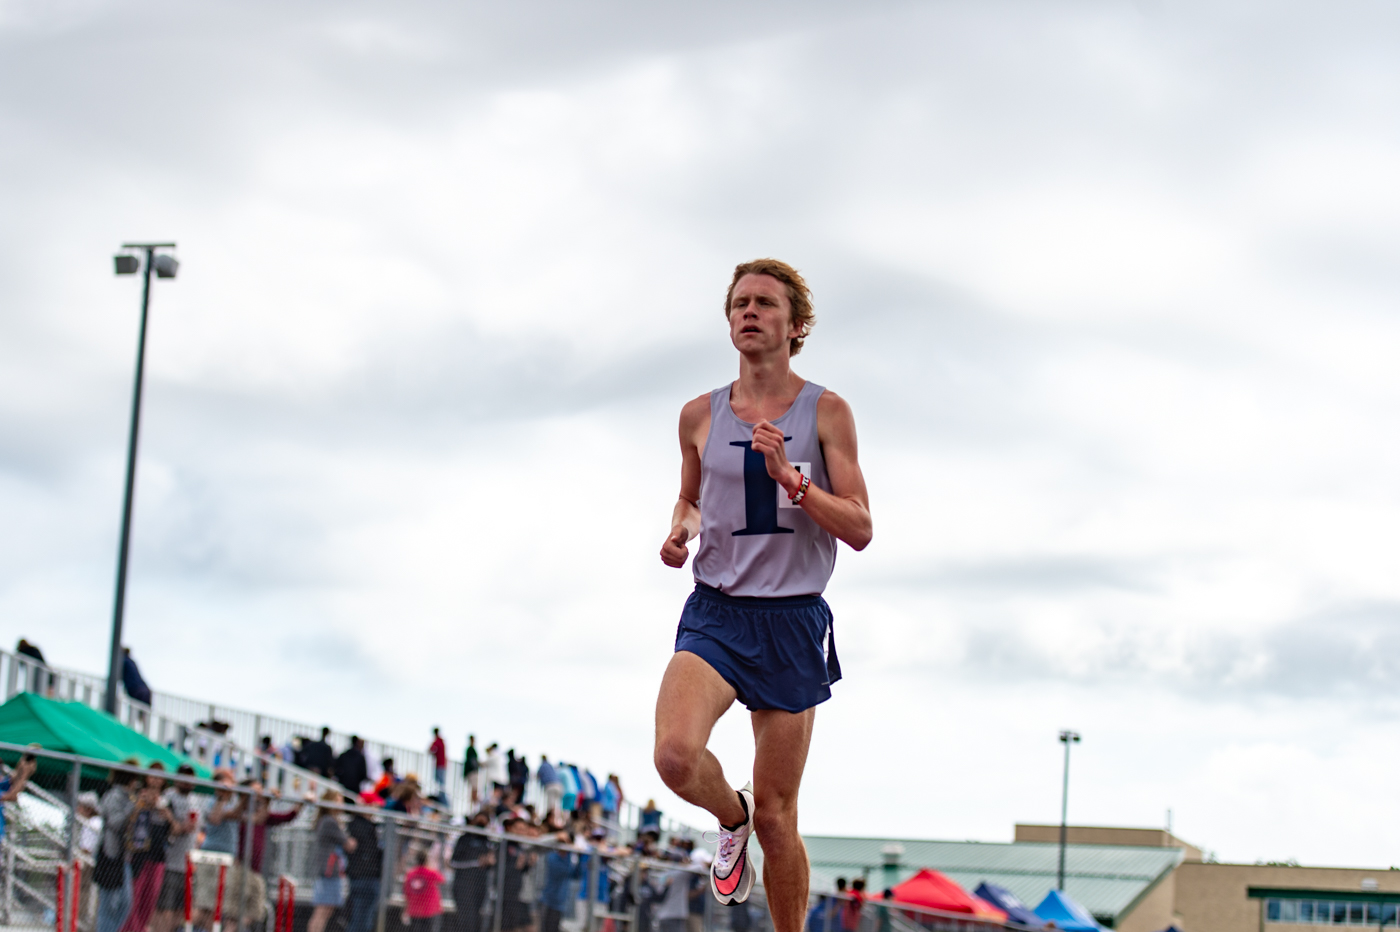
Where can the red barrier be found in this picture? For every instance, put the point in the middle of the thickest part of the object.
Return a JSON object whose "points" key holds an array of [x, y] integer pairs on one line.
{"points": [[76, 893], [189, 893], [219, 900], [58, 904], [285, 915]]}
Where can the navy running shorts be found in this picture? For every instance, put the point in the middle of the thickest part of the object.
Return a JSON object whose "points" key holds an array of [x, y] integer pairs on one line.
{"points": [[776, 653]]}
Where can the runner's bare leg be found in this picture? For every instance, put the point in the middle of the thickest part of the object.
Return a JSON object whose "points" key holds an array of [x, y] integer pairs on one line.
{"points": [[781, 740], [692, 698]]}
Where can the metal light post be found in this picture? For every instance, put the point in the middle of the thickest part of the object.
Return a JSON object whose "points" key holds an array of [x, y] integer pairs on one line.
{"points": [[164, 266], [1066, 738]]}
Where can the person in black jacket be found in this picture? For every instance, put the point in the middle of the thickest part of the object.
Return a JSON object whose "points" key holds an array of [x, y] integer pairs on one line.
{"points": [[472, 858], [317, 756], [515, 912], [519, 772], [43, 681], [365, 867], [135, 684], [351, 768]]}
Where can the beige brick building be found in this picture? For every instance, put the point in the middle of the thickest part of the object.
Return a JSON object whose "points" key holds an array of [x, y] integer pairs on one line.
{"points": [[1131, 879], [1197, 896]]}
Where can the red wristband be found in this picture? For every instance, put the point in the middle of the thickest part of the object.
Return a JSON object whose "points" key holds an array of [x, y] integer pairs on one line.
{"points": [[801, 493]]}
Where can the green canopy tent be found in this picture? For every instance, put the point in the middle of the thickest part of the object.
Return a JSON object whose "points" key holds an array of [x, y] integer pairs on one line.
{"points": [[72, 727]]}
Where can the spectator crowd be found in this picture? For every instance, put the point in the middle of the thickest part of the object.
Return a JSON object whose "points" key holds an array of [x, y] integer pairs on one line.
{"points": [[545, 824], [140, 830]]}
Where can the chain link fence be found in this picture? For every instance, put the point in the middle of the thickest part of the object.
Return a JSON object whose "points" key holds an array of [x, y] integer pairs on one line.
{"points": [[266, 863]]}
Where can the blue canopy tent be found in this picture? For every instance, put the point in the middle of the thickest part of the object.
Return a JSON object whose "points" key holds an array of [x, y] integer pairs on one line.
{"points": [[1057, 907], [1006, 901]]}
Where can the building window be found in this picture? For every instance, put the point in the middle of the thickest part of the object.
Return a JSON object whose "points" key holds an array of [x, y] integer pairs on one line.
{"points": [[1330, 912]]}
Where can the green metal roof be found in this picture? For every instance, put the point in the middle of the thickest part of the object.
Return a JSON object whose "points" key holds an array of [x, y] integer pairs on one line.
{"points": [[1106, 879]]}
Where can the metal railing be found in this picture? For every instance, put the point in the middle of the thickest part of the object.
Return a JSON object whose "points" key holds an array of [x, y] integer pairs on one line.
{"points": [[286, 857], [487, 880], [174, 721]]}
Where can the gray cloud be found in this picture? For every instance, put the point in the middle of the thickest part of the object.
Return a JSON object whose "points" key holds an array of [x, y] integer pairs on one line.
{"points": [[1029, 575], [1343, 653], [1135, 437]]}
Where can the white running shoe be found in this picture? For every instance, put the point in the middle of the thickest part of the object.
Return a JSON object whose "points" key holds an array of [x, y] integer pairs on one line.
{"points": [[731, 872]]}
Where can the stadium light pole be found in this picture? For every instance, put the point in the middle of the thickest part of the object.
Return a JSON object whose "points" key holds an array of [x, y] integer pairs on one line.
{"points": [[1066, 738], [163, 265]]}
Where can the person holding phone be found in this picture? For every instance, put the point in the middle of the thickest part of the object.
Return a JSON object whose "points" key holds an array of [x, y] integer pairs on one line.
{"points": [[112, 873], [147, 834], [184, 823]]}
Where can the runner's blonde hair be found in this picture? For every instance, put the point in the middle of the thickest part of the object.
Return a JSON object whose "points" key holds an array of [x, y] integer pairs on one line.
{"points": [[799, 295]]}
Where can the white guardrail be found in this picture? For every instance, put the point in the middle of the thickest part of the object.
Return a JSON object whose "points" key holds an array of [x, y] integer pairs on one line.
{"points": [[174, 721]]}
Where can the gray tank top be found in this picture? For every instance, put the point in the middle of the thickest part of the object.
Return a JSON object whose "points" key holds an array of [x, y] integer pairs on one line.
{"points": [[753, 541]]}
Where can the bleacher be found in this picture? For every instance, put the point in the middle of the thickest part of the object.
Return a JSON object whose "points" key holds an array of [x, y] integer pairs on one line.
{"points": [[182, 724]]}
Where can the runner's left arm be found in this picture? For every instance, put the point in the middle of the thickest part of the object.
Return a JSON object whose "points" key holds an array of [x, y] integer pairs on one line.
{"points": [[685, 517], [844, 512]]}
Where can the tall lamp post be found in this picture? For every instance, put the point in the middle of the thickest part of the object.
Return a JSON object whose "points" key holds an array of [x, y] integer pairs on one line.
{"points": [[164, 266], [1066, 738]]}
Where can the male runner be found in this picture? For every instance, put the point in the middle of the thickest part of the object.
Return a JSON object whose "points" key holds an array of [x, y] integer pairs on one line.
{"points": [[769, 482]]}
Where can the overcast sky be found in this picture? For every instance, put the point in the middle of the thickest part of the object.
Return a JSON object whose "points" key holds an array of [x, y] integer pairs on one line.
{"points": [[1111, 287]]}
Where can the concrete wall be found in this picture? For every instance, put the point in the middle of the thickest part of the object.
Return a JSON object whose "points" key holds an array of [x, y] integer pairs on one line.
{"points": [[1103, 835], [1153, 912], [1215, 897]]}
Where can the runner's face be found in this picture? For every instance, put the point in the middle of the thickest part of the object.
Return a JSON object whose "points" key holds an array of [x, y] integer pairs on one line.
{"points": [[760, 315]]}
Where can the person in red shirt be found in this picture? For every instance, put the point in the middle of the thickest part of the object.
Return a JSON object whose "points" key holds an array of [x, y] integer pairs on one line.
{"points": [[850, 910], [439, 751], [387, 780], [422, 893]]}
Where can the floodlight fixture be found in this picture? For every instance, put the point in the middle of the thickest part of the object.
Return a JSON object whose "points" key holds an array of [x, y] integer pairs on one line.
{"points": [[166, 265], [127, 264]]}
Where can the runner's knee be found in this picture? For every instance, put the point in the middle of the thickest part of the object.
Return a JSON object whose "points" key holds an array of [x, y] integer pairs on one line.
{"points": [[774, 820], [676, 761]]}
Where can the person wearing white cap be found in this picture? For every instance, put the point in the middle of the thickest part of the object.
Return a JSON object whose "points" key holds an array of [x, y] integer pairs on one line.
{"points": [[89, 837], [91, 822]]}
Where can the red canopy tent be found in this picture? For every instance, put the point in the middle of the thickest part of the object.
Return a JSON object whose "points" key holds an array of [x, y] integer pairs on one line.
{"points": [[933, 890]]}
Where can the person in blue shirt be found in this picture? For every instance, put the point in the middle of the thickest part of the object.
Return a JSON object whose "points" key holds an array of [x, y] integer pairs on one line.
{"points": [[610, 795], [11, 786], [561, 869], [650, 819], [568, 775], [552, 785]]}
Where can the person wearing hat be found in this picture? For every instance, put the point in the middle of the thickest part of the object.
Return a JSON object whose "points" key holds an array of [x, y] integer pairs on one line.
{"points": [[90, 831], [89, 837]]}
